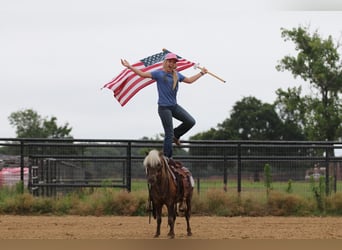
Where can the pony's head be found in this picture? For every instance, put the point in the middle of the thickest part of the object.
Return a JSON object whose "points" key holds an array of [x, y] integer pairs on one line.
{"points": [[153, 164]]}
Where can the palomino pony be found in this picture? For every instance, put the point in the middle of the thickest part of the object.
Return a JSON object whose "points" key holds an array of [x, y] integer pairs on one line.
{"points": [[163, 190]]}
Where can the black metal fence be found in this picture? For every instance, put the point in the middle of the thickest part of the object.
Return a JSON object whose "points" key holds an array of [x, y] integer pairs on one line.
{"points": [[60, 165]]}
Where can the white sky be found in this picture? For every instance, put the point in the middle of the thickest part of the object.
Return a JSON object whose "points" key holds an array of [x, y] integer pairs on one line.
{"points": [[56, 55]]}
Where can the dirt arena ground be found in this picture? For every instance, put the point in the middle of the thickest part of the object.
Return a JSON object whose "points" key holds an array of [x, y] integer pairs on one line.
{"points": [[117, 227]]}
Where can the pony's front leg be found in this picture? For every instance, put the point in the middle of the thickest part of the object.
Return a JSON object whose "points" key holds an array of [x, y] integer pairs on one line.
{"points": [[159, 220], [171, 221]]}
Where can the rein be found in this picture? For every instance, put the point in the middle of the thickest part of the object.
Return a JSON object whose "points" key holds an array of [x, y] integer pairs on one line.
{"points": [[165, 176]]}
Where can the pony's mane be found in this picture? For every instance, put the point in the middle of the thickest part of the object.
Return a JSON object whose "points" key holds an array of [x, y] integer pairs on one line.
{"points": [[152, 159]]}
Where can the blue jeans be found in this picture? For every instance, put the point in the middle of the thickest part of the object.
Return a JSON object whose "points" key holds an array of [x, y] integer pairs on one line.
{"points": [[166, 114]]}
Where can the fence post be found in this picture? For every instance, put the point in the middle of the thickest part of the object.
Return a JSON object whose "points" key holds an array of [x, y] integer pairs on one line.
{"points": [[327, 186], [225, 174], [22, 165], [129, 167], [239, 168], [198, 185]]}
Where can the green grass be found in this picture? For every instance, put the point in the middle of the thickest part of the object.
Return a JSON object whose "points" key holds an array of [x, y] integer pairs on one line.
{"points": [[300, 188], [212, 200]]}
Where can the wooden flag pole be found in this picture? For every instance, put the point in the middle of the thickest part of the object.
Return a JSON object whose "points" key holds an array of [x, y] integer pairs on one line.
{"points": [[212, 74], [198, 67]]}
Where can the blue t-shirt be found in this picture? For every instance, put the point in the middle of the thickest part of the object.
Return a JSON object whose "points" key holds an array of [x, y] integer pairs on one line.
{"points": [[166, 95]]}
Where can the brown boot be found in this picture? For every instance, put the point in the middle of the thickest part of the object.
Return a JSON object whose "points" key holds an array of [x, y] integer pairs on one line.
{"points": [[176, 141]]}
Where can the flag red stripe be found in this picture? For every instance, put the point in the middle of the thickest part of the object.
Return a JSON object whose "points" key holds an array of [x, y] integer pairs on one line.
{"points": [[134, 79], [127, 76], [123, 101], [121, 77]]}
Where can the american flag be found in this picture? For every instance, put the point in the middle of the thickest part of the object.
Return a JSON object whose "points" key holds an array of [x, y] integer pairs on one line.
{"points": [[127, 83]]}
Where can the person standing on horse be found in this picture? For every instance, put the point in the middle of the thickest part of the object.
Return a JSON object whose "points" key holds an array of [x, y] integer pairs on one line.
{"points": [[167, 80]]}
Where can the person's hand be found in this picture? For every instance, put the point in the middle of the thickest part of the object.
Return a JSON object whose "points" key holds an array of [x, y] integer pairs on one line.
{"points": [[125, 63], [204, 70]]}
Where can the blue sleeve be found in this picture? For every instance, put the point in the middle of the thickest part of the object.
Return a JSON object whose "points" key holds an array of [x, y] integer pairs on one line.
{"points": [[180, 77]]}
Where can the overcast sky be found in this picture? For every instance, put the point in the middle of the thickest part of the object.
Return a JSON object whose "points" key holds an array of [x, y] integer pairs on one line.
{"points": [[56, 55]]}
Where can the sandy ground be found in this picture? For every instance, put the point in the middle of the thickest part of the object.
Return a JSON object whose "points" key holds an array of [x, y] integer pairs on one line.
{"points": [[117, 227]]}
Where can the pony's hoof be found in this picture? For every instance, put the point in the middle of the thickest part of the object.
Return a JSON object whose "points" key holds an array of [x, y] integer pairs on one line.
{"points": [[156, 236], [189, 234]]}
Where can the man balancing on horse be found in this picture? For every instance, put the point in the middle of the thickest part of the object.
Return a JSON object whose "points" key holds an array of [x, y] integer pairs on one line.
{"points": [[168, 79]]}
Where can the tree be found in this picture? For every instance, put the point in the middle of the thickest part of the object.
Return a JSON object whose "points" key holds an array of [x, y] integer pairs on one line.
{"points": [[319, 63], [291, 109], [29, 124], [252, 119]]}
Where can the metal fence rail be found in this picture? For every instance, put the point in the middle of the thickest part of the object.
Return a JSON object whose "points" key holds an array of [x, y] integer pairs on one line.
{"points": [[60, 165]]}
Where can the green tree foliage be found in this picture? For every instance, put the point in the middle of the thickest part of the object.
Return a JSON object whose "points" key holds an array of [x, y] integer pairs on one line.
{"points": [[252, 119], [29, 124], [319, 63], [292, 110]]}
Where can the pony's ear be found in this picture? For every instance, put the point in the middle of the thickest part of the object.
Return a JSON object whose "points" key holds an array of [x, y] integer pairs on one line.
{"points": [[146, 152]]}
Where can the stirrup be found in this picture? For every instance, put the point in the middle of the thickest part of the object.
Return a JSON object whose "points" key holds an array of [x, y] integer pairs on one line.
{"points": [[182, 206]]}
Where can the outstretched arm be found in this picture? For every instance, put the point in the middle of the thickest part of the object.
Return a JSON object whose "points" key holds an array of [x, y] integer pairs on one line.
{"points": [[135, 70], [195, 77]]}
